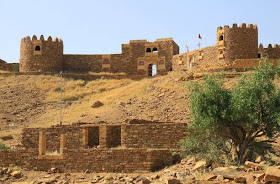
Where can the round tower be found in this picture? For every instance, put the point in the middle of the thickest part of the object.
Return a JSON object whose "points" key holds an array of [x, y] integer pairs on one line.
{"points": [[238, 42], [41, 55]]}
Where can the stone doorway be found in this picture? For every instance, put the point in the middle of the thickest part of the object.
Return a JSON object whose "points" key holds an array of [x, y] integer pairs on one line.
{"points": [[152, 70]]}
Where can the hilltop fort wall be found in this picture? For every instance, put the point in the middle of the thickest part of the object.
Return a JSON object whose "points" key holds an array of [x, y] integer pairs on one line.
{"points": [[135, 146], [235, 46], [136, 58], [4, 66]]}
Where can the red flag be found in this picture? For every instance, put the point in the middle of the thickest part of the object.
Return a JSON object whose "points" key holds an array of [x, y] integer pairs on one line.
{"points": [[199, 36]]}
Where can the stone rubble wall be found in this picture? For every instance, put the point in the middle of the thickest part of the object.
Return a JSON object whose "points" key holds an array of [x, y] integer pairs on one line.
{"points": [[101, 160], [154, 135]]}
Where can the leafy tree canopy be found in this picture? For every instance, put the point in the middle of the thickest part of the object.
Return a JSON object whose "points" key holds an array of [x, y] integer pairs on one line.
{"points": [[230, 122]]}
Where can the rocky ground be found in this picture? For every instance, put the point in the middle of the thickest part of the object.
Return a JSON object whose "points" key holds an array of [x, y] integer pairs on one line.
{"points": [[161, 98], [186, 172]]}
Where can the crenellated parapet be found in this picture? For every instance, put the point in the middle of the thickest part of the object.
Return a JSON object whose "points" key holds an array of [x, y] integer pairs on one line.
{"points": [[237, 42], [40, 54], [271, 52]]}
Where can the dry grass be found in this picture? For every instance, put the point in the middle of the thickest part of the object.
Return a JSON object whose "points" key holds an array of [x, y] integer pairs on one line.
{"points": [[73, 90]]}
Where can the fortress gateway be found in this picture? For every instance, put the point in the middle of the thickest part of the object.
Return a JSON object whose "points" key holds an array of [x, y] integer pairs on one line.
{"points": [[235, 47]]}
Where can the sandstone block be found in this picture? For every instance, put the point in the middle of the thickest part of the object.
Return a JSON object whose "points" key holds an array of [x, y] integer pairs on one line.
{"points": [[272, 174]]}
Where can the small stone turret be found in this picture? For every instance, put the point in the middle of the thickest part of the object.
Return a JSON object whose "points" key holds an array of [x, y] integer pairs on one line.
{"points": [[238, 42], [40, 54]]}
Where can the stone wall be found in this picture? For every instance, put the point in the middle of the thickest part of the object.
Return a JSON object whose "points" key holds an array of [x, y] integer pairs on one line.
{"points": [[153, 135], [270, 52], [250, 63], [82, 63], [101, 160], [240, 42], [8, 66], [135, 146], [74, 136], [50, 58]]}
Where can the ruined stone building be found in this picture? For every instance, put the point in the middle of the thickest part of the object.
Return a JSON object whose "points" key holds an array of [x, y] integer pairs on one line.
{"points": [[134, 146]]}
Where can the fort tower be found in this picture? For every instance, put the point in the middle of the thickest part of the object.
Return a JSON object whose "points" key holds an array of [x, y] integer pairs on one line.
{"points": [[41, 55]]}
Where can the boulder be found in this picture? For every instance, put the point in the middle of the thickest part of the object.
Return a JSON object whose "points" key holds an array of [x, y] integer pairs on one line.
{"points": [[144, 181], [250, 179], [97, 104], [228, 172], [16, 174], [254, 165], [240, 179], [272, 174], [173, 181], [199, 165]]}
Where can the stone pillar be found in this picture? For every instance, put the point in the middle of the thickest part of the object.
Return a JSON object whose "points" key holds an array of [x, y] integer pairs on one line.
{"points": [[103, 136], [42, 143]]}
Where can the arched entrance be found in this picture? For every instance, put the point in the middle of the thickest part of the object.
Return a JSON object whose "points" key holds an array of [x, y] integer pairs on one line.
{"points": [[152, 70]]}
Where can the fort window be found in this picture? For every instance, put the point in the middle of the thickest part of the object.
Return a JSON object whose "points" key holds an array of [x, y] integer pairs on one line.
{"points": [[155, 49], [106, 61], [55, 150], [148, 50], [113, 136], [221, 38], [221, 52], [37, 48], [141, 63], [259, 55], [161, 62]]}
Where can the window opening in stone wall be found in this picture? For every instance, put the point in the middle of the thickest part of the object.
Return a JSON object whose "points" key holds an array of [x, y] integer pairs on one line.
{"points": [[221, 52], [161, 62], [221, 38], [37, 48], [155, 49], [93, 137], [113, 136], [152, 70], [141, 63], [148, 50], [259, 55], [106, 61]]}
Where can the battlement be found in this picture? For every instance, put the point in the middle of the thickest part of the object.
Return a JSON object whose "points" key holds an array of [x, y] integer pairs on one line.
{"points": [[164, 39], [35, 39], [235, 26], [138, 41]]}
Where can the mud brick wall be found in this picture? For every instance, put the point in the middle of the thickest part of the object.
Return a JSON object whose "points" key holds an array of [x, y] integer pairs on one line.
{"points": [[82, 63], [8, 66], [74, 137], [153, 135]]}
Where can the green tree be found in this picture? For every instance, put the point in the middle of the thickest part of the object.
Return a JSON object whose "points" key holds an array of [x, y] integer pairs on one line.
{"points": [[231, 121]]}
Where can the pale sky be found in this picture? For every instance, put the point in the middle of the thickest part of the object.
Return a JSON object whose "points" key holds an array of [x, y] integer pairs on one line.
{"points": [[101, 26]]}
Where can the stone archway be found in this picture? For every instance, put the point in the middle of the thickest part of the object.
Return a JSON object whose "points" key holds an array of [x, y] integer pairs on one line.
{"points": [[152, 69]]}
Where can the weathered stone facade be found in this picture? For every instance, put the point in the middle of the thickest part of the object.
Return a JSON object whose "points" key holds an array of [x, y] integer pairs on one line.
{"points": [[135, 146], [233, 44], [136, 58]]}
